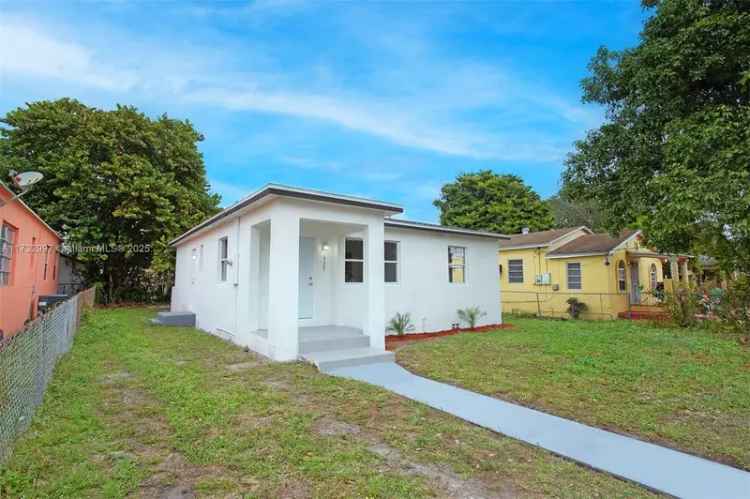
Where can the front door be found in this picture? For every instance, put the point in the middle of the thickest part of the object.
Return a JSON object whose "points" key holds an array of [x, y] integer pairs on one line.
{"points": [[635, 284], [306, 284]]}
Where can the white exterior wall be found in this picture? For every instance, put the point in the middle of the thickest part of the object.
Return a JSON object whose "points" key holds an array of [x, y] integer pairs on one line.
{"points": [[424, 290], [262, 293]]}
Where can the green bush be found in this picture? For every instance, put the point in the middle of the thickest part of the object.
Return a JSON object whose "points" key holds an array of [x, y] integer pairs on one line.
{"points": [[575, 307], [734, 309], [683, 305]]}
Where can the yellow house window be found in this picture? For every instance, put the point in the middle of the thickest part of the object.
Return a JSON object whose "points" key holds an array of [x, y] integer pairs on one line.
{"points": [[652, 274], [515, 271], [621, 284], [574, 276]]}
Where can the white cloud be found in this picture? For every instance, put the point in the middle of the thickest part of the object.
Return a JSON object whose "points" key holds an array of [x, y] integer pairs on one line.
{"points": [[28, 51], [424, 106]]}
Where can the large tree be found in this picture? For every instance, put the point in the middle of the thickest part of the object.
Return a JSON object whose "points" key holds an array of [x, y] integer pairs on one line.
{"points": [[117, 184], [674, 154], [569, 212], [492, 202]]}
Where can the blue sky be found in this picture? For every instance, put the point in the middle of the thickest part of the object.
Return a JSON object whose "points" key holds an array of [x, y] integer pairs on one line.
{"points": [[384, 100]]}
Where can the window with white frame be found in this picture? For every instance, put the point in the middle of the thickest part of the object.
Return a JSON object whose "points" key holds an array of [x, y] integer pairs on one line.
{"points": [[391, 261], [515, 271], [223, 258], [574, 276], [354, 260], [7, 239], [456, 264], [621, 282], [652, 274]]}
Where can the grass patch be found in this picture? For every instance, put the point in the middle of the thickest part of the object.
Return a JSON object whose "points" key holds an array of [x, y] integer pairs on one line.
{"points": [[688, 389], [154, 411]]}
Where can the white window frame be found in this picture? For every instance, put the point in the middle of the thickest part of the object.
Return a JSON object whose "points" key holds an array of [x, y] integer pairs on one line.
{"points": [[355, 260], [461, 266], [622, 277], [580, 275], [397, 262], [224, 261], [653, 276], [511, 272], [8, 236]]}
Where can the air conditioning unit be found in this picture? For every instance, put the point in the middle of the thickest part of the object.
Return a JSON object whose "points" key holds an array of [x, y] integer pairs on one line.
{"points": [[543, 279]]}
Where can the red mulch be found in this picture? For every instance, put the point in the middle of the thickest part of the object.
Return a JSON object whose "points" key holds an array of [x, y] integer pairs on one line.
{"points": [[392, 342]]}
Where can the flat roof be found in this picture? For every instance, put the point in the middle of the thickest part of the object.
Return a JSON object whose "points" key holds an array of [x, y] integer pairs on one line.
{"points": [[409, 224], [291, 192]]}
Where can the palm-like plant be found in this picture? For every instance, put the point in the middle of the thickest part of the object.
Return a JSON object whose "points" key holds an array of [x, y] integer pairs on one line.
{"points": [[400, 324], [470, 316]]}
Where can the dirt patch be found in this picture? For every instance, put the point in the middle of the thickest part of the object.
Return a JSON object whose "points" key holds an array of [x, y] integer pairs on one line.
{"points": [[294, 489], [331, 428], [241, 366], [115, 377], [138, 419], [450, 483]]}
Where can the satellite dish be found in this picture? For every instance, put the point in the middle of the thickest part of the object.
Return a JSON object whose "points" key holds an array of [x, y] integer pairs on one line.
{"points": [[24, 180]]}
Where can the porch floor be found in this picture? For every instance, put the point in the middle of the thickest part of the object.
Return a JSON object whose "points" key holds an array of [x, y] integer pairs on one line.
{"points": [[312, 333]]}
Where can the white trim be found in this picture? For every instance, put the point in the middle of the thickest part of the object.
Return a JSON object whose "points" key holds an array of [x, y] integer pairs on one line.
{"points": [[410, 224], [548, 243], [576, 255], [625, 241]]}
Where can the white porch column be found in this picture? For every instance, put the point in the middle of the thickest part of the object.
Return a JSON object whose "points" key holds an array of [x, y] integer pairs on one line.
{"points": [[374, 325], [674, 270], [283, 284], [685, 276]]}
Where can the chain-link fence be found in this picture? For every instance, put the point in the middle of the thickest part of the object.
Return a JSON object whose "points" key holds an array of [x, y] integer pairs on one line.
{"points": [[555, 304], [27, 361]]}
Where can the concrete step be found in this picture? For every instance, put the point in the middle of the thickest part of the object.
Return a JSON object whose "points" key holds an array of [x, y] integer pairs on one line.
{"points": [[329, 344], [174, 319], [326, 361]]}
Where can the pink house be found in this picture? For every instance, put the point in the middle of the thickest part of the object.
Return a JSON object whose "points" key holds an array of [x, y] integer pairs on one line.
{"points": [[28, 262]]}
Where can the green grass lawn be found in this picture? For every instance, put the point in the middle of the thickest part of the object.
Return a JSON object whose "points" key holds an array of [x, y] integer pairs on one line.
{"points": [[150, 411], [688, 389]]}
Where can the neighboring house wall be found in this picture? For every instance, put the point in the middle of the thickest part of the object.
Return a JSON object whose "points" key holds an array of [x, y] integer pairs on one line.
{"points": [[600, 288], [34, 249]]}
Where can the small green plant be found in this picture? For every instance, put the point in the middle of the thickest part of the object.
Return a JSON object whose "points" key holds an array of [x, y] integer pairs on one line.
{"points": [[400, 324], [575, 308], [470, 316]]}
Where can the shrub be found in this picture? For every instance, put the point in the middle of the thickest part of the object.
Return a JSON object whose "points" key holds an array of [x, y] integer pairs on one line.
{"points": [[400, 324], [734, 308], [470, 316], [575, 307], [682, 305]]}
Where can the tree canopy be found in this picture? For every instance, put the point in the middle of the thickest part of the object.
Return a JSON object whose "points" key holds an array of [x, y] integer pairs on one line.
{"points": [[575, 213], [673, 156], [492, 202], [117, 184]]}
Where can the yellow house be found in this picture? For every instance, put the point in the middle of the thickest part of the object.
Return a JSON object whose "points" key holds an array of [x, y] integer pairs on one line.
{"points": [[613, 276]]}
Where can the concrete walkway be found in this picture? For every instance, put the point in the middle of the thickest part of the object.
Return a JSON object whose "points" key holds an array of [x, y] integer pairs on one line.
{"points": [[656, 467]]}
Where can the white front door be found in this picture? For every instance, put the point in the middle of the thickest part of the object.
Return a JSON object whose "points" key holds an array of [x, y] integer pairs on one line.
{"points": [[306, 284]]}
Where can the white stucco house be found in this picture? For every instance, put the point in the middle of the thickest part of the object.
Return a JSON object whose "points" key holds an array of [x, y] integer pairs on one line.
{"points": [[289, 272]]}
